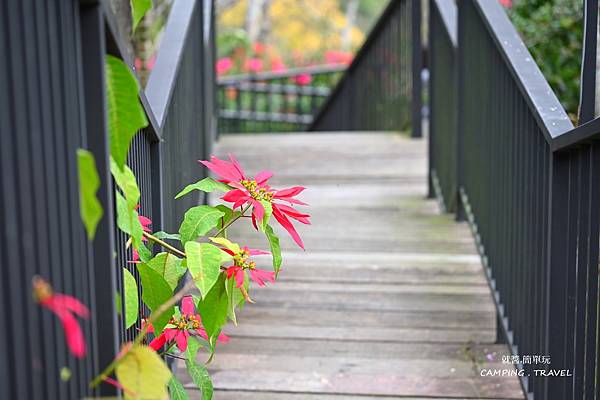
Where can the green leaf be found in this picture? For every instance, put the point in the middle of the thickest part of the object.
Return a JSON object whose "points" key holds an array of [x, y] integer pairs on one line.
{"points": [[204, 263], [205, 185], [165, 235], [125, 113], [144, 253], [125, 180], [227, 244], [128, 220], [138, 9], [268, 211], [131, 298], [169, 267], [197, 221], [143, 374], [213, 308], [275, 248], [234, 297], [176, 390], [89, 206], [192, 349], [229, 214], [201, 378], [155, 291]]}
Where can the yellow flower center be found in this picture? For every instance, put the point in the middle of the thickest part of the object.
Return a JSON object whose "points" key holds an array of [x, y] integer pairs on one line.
{"points": [[241, 260], [185, 322], [256, 192]]}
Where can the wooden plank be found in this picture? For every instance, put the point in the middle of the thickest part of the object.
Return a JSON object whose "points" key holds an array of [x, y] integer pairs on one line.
{"points": [[386, 384], [378, 350], [272, 316], [361, 334], [376, 301], [241, 395], [423, 288]]}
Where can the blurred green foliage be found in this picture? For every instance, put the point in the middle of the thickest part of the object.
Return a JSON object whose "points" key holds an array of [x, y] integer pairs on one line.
{"points": [[553, 32]]}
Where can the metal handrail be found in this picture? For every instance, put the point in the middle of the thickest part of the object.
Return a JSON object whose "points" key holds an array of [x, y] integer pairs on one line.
{"points": [[288, 73]]}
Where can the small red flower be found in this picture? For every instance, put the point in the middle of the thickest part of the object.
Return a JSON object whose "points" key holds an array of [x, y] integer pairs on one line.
{"points": [[252, 191], [187, 325], [242, 263], [65, 308], [145, 222]]}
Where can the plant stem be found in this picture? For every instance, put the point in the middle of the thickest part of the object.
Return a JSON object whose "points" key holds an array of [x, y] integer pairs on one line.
{"points": [[164, 244], [174, 356], [232, 220], [166, 352]]}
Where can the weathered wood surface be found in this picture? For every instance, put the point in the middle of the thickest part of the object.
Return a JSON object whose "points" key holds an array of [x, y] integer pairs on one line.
{"points": [[389, 299]]}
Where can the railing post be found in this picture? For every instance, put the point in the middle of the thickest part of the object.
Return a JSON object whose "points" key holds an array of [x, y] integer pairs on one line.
{"points": [[560, 237], [587, 95], [105, 324], [431, 94], [459, 121], [416, 70]]}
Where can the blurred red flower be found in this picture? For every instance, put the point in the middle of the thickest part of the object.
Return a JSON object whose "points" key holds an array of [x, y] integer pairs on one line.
{"points": [[65, 308], [223, 65], [277, 65], [338, 57], [253, 65], [303, 79]]}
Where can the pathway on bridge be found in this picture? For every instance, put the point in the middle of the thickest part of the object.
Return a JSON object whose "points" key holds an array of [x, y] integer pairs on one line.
{"points": [[389, 299]]}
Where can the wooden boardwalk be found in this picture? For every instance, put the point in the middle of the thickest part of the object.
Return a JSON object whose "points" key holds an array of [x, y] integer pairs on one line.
{"points": [[388, 301]]}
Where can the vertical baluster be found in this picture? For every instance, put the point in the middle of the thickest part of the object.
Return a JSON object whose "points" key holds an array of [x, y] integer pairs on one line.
{"points": [[238, 106]]}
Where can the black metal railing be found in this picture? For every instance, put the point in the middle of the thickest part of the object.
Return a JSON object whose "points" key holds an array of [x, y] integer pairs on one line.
{"points": [[529, 184], [443, 44], [274, 101], [53, 102], [381, 90]]}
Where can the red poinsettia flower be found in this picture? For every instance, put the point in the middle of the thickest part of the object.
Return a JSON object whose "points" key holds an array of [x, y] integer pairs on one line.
{"points": [[253, 191], [242, 263], [145, 222], [188, 324], [65, 308]]}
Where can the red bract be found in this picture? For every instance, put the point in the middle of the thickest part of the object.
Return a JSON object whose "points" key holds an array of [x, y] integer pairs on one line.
{"points": [[253, 191], [65, 308], [241, 263], [145, 222], [188, 324]]}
